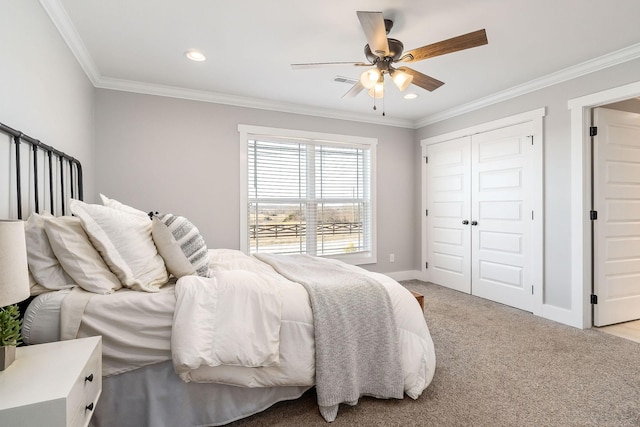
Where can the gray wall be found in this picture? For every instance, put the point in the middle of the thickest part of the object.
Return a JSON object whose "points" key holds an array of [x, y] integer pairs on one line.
{"points": [[557, 161], [182, 157], [43, 91], [630, 105]]}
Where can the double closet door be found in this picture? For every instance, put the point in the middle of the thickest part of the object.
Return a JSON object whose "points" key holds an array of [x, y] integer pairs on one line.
{"points": [[480, 216]]}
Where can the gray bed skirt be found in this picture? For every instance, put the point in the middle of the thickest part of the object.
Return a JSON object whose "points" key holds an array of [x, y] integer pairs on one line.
{"points": [[155, 396]]}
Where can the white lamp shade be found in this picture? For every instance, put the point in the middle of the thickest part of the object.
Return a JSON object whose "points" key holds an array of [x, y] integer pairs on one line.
{"points": [[401, 79], [369, 78], [14, 271]]}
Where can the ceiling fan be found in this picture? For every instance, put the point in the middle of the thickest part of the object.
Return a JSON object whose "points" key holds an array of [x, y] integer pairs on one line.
{"points": [[383, 52]]}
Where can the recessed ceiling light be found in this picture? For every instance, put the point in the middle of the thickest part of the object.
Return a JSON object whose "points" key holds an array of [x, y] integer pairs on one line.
{"points": [[411, 96], [194, 55]]}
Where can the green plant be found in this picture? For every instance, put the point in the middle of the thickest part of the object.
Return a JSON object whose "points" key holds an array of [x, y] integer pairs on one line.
{"points": [[10, 324]]}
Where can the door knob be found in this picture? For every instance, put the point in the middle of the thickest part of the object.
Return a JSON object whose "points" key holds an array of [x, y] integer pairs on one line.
{"points": [[474, 222], [465, 222]]}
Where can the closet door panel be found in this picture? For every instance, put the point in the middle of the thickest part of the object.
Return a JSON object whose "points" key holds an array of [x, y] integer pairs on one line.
{"points": [[448, 205], [501, 267]]}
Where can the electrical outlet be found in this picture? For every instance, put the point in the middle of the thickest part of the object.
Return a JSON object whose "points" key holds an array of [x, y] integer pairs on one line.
{"points": [[392, 258]]}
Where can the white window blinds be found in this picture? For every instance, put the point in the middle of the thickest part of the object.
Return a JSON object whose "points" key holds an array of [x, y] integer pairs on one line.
{"points": [[308, 196]]}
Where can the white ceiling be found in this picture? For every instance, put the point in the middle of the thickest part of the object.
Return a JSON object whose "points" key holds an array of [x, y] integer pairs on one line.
{"points": [[138, 45]]}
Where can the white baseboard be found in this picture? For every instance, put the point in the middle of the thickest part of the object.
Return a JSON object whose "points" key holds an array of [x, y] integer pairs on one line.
{"points": [[405, 275], [561, 315]]}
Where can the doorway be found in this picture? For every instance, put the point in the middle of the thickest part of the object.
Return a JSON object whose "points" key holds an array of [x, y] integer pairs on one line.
{"points": [[580, 314]]}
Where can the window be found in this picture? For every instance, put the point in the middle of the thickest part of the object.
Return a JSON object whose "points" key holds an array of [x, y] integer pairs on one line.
{"points": [[304, 192]]}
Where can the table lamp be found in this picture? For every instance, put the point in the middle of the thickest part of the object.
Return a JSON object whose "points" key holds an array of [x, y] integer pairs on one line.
{"points": [[14, 286]]}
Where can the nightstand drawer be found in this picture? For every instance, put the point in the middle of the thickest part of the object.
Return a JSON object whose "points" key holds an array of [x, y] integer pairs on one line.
{"points": [[46, 385], [85, 392]]}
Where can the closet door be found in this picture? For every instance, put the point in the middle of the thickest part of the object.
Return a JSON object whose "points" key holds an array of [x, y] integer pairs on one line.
{"points": [[502, 223], [448, 206]]}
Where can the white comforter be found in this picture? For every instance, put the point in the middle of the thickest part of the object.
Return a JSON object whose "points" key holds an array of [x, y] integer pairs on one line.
{"points": [[232, 318], [137, 327]]}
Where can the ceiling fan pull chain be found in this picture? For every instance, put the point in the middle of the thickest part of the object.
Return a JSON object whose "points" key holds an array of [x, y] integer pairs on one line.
{"points": [[374, 99], [383, 105]]}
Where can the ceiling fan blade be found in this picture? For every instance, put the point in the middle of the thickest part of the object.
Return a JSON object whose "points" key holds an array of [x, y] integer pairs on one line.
{"points": [[465, 41], [422, 80], [374, 30], [354, 91], [329, 64]]}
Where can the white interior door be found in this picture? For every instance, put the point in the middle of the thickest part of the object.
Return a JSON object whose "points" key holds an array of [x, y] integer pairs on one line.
{"points": [[616, 197], [502, 216], [448, 206]]}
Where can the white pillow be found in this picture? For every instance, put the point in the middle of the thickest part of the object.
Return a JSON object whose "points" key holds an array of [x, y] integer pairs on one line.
{"points": [[181, 245], [36, 289], [43, 264], [114, 204], [124, 241], [78, 256]]}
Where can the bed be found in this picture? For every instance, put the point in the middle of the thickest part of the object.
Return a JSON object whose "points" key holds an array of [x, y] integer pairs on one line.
{"points": [[196, 336]]}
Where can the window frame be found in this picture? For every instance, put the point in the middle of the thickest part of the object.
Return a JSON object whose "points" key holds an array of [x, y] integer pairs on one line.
{"points": [[248, 132]]}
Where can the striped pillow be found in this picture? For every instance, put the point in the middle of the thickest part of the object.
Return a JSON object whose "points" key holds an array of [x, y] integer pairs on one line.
{"points": [[181, 245]]}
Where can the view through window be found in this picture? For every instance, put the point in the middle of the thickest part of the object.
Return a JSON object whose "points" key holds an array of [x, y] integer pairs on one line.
{"points": [[308, 196]]}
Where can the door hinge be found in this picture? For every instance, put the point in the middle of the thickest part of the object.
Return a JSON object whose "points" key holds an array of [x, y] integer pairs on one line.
{"points": [[531, 136], [594, 299], [593, 131], [426, 159], [426, 265], [531, 215], [593, 215], [426, 212]]}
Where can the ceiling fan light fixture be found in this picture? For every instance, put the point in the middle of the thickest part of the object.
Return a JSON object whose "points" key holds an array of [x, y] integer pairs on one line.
{"points": [[411, 95], [401, 79], [377, 91], [369, 78], [195, 55]]}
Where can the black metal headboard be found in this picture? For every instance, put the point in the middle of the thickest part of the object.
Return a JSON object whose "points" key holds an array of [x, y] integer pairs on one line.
{"points": [[61, 173]]}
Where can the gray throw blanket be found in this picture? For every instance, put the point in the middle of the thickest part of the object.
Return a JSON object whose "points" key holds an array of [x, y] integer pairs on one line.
{"points": [[357, 345]]}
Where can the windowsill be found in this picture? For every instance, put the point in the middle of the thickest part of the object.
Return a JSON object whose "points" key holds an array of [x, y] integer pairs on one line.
{"points": [[355, 259]]}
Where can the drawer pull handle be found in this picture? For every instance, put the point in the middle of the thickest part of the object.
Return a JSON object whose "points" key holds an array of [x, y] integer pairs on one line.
{"points": [[89, 407], [89, 378]]}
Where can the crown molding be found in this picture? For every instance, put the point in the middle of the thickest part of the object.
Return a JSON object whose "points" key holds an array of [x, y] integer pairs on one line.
{"points": [[67, 30], [239, 101], [605, 61]]}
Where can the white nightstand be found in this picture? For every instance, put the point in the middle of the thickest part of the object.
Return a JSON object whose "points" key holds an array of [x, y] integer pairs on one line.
{"points": [[54, 384]]}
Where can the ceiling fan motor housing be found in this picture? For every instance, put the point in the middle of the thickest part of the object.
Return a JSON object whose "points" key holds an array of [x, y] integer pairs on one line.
{"points": [[395, 51]]}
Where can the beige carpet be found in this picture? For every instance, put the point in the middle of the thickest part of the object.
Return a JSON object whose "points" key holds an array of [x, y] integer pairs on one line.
{"points": [[498, 366]]}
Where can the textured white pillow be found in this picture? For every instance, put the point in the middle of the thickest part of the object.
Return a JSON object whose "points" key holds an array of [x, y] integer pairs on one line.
{"points": [[181, 245], [77, 255], [114, 204], [124, 241], [43, 264]]}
